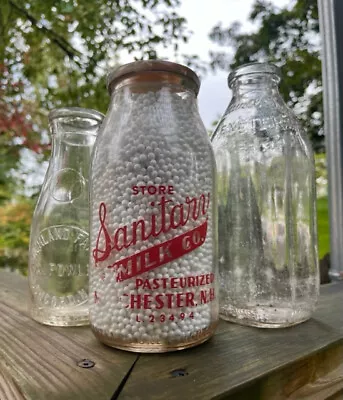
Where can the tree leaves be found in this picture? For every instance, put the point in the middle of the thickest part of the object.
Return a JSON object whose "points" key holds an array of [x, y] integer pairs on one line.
{"points": [[288, 37], [76, 40], [56, 53]]}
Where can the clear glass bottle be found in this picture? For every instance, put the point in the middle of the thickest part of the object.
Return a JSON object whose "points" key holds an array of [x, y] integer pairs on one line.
{"points": [[153, 255], [59, 241], [266, 204]]}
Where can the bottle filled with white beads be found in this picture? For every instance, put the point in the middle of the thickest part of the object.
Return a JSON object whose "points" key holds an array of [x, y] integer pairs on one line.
{"points": [[153, 280]]}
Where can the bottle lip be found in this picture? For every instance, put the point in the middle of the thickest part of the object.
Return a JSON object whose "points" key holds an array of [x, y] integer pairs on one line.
{"points": [[136, 67], [76, 112], [254, 68]]}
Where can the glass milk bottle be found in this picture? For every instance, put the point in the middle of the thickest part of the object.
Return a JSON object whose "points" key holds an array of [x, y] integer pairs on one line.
{"points": [[59, 241], [153, 255], [266, 204]]}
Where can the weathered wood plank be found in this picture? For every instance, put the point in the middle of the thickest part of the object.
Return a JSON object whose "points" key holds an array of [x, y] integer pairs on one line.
{"points": [[241, 359], [42, 361], [313, 378], [330, 307], [337, 396], [8, 388], [303, 362], [14, 290]]}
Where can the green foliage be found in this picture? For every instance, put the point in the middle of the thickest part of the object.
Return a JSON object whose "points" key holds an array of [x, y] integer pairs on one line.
{"points": [[57, 53], [321, 175], [323, 226], [288, 37], [15, 219], [322, 206], [63, 48]]}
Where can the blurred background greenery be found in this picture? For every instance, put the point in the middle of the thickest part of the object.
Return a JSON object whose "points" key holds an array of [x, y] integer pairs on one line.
{"points": [[56, 53]]}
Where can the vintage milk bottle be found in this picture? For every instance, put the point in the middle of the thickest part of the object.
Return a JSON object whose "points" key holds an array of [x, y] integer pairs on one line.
{"points": [[59, 242], [266, 204], [153, 255]]}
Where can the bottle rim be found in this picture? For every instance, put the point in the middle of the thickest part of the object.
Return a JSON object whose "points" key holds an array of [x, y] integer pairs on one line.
{"points": [[136, 67], [77, 112], [254, 68]]}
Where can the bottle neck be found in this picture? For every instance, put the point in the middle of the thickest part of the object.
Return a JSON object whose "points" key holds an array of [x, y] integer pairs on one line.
{"points": [[72, 143], [66, 154], [254, 85]]}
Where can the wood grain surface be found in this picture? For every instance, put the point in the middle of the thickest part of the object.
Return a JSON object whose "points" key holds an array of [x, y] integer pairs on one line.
{"points": [[301, 362], [43, 361], [8, 388], [304, 362]]}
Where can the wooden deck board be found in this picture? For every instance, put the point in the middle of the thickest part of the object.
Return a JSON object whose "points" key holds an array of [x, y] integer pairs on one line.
{"points": [[304, 362], [242, 362], [42, 361]]}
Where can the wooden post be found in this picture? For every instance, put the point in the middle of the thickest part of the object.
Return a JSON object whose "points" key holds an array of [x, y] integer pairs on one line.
{"points": [[331, 28]]}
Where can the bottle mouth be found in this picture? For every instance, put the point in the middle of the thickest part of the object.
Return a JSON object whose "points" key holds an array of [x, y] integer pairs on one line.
{"points": [[76, 112], [255, 68], [75, 120], [157, 70]]}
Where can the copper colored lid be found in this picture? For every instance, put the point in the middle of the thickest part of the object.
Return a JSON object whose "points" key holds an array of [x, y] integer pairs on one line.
{"points": [[150, 66]]}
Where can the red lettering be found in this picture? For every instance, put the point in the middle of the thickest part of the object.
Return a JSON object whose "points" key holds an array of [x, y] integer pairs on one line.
{"points": [[196, 237], [135, 301], [139, 282], [193, 201], [169, 297], [147, 301], [155, 284], [163, 203], [173, 283], [203, 297], [181, 221], [146, 285], [191, 281], [135, 226], [165, 252], [102, 254], [152, 189], [170, 217], [179, 300], [190, 299], [159, 301], [121, 231]]}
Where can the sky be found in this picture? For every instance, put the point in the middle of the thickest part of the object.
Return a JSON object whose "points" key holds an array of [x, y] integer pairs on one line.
{"points": [[202, 15]]}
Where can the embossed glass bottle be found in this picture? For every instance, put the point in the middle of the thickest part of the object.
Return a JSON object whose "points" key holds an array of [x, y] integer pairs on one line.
{"points": [[59, 241], [266, 204]]}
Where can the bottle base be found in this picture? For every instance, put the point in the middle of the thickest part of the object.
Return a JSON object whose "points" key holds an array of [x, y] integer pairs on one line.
{"points": [[265, 316], [161, 347], [61, 318]]}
